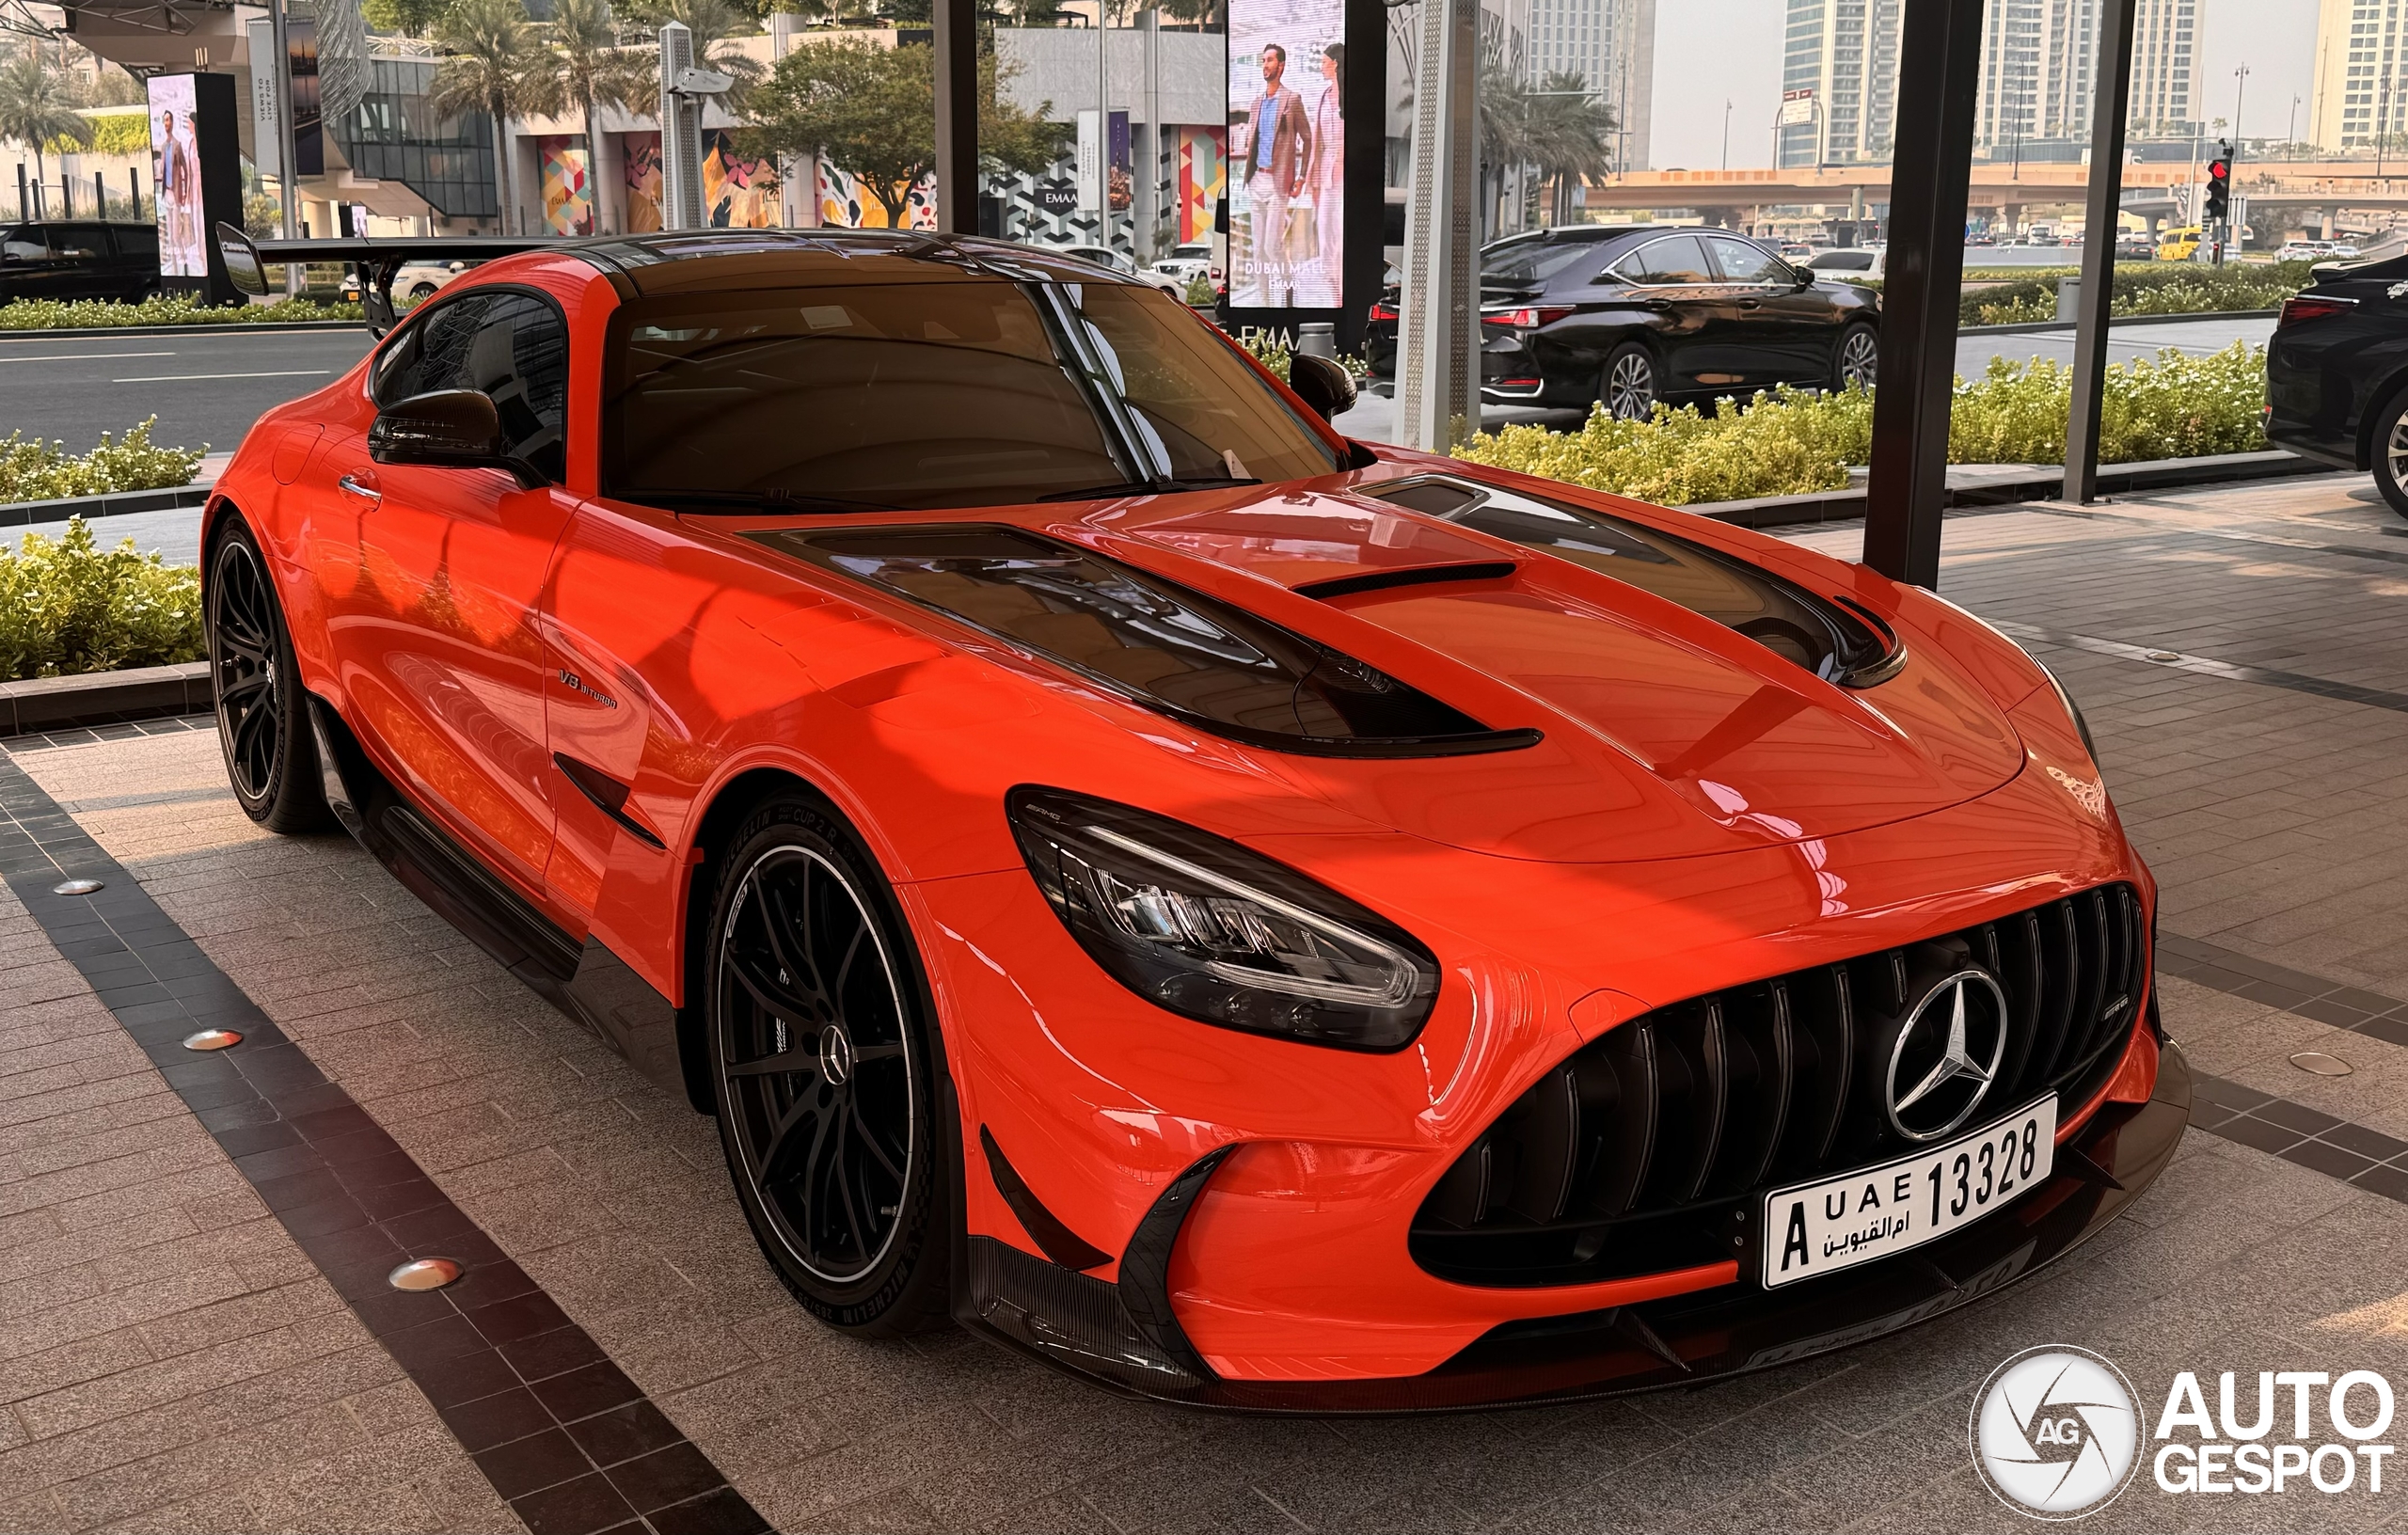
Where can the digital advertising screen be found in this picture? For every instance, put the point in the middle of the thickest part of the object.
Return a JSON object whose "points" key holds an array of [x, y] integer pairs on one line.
{"points": [[1287, 155], [184, 233]]}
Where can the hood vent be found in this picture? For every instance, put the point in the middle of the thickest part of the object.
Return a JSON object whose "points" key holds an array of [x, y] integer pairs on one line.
{"points": [[1835, 639], [1203, 661]]}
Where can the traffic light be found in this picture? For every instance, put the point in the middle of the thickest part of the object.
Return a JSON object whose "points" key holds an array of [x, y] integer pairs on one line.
{"points": [[2218, 188]]}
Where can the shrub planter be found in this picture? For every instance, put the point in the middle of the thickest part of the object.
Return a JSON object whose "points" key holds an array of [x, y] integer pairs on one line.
{"points": [[103, 697], [2010, 484], [108, 504]]}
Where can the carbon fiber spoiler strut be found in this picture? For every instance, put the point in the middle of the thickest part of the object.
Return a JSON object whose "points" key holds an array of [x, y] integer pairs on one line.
{"points": [[374, 261]]}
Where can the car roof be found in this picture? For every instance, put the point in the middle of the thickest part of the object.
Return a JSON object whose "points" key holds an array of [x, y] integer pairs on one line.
{"points": [[732, 260]]}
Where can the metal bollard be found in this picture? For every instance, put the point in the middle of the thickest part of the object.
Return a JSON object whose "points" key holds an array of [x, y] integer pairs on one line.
{"points": [[2069, 298], [1317, 339]]}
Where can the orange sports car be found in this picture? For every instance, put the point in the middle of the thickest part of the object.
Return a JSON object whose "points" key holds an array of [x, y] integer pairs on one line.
{"points": [[1254, 919]]}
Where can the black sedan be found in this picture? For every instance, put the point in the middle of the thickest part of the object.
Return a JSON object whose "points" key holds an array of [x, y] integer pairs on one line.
{"points": [[2337, 372], [1632, 316]]}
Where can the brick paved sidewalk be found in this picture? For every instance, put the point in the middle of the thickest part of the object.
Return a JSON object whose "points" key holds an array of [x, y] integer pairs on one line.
{"points": [[169, 1359]]}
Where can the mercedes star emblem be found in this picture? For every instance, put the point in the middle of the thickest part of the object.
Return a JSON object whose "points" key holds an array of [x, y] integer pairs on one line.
{"points": [[1949, 1048]]}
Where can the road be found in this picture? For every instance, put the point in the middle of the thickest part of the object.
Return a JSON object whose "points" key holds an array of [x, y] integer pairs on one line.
{"points": [[203, 388]]}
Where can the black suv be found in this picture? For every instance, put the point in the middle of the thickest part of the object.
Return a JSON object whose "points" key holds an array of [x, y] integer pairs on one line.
{"points": [[1631, 316], [79, 258]]}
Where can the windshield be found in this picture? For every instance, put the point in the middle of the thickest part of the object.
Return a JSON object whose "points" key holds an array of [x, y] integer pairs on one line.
{"points": [[923, 395]]}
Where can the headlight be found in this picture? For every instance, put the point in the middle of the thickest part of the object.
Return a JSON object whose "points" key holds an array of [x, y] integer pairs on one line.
{"points": [[2072, 708], [1211, 931]]}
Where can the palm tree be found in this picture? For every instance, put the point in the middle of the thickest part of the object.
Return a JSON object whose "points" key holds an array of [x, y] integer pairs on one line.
{"points": [[1568, 134], [494, 63], [36, 108], [589, 66]]}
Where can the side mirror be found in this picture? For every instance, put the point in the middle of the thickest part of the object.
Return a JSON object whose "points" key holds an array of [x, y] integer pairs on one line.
{"points": [[1322, 384], [456, 429]]}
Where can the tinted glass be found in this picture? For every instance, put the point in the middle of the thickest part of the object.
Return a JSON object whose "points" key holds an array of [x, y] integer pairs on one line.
{"points": [[1177, 649], [138, 241], [26, 245], [80, 242], [512, 346], [970, 393], [1530, 262], [1743, 262], [1675, 259]]}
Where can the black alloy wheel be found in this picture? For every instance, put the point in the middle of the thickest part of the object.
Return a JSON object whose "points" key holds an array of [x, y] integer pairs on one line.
{"points": [[2390, 454], [271, 757], [1857, 358], [822, 1062], [1627, 388]]}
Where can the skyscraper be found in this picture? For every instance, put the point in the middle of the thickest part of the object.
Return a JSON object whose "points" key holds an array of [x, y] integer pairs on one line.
{"points": [[2361, 73], [1844, 53], [1611, 45], [2037, 63]]}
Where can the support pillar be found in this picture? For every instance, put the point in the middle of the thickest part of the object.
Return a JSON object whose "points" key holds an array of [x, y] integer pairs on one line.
{"points": [[957, 44], [1939, 71], [2114, 74], [1438, 347]]}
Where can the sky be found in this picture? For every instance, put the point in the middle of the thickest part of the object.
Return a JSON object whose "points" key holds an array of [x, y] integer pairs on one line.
{"points": [[1709, 51]]}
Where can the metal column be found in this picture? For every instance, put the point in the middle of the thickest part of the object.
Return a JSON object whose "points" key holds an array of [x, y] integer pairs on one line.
{"points": [[681, 132], [1438, 344], [957, 41], [2101, 225], [1940, 57], [287, 167]]}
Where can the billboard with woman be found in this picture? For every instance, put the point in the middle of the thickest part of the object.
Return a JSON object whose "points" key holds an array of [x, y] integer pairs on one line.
{"points": [[1287, 154], [184, 238]]}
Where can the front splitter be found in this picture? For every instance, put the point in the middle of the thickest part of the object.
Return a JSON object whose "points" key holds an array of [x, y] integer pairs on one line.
{"points": [[1681, 1340]]}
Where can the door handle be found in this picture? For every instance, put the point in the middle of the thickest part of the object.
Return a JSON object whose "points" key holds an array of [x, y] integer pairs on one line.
{"points": [[351, 485], [1752, 303]]}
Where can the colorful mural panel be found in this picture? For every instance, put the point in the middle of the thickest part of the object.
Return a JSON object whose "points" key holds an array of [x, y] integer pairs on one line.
{"points": [[568, 190], [641, 164], [738, 193], [845, 201], [1203, 181]]}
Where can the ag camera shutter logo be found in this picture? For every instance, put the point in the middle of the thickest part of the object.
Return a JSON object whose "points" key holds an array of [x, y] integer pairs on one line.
{"points": [[2054, 1432]]}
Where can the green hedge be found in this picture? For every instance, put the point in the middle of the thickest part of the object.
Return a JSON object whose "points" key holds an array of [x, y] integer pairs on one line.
{"points": [[1793, 442], [67, 604], [2141, 288], [93, 313], [40, 471]]}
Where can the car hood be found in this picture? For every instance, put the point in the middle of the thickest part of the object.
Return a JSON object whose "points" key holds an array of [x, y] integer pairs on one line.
{"points": [[1664, 732]]}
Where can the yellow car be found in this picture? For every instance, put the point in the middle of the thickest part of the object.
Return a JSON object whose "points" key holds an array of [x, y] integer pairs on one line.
{"points": [[2178, 245]]}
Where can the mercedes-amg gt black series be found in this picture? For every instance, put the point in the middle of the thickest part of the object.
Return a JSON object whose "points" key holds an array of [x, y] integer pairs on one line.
{"points": [[1632, 316], [2337, 372]]}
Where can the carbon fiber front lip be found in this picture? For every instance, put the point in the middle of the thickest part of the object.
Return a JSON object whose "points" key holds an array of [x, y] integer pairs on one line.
{"points": [[1678, 1341]]}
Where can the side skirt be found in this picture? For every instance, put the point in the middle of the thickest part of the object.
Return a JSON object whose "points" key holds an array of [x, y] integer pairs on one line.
{"points": [[586, 981]]}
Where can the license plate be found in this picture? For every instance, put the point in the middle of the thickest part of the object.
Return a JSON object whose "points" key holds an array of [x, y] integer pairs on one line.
{"points": [[1812, 1229]]}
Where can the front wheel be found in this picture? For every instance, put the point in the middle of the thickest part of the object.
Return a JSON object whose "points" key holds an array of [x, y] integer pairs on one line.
{"points": [[2391, 452], [263, 721], [823, 1057], [1627, 388], [1857, 360]]}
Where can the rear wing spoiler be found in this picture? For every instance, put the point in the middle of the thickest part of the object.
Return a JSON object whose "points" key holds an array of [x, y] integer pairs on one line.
{"points": [[374, 261]]}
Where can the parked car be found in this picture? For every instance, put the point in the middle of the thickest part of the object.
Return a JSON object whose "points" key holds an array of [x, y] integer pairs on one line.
{"points": [[1796, 250], [1105, 255], [2337, 372], [1856, 262], [2303, 250], [69, 259], [2135, 247], [418, 281], [1241, 915], [1634, 316]]}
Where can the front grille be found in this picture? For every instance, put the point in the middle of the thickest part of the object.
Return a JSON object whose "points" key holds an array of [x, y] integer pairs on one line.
{"points": [[1638, 1153]]}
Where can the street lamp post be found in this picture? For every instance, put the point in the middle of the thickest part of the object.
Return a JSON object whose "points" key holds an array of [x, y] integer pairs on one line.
{"points": [[1727, 105]]}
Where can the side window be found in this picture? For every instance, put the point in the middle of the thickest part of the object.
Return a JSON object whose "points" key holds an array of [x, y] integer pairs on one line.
{"points": [[25, 244], [80, 242], [510, 347], [137, 242], [1743, 262], [1670, 262], [433, 352]]}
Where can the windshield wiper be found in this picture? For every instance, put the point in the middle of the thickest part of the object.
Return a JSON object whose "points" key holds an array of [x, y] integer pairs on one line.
{"points": [[1149, 487], [772, 501]]}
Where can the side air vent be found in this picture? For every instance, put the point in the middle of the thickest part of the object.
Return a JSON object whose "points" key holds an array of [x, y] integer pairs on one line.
{"points": [[1632, 1156]]}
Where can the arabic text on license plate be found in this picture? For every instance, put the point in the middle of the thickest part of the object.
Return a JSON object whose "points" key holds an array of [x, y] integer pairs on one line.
{"points": [[1818, 1229]]}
